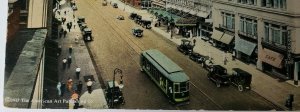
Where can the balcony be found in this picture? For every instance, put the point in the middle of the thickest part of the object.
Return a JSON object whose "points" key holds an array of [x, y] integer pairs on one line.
{"points": [[273, 46], [225, 28], [247, 35]]}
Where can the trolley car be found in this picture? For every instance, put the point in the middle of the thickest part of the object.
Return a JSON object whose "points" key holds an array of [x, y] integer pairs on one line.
{"points": [[167, 75]]}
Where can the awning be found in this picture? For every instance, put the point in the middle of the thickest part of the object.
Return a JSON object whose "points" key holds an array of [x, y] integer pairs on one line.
{"points": [[186, 22], [217, 35], [226, 38], [271, 57], [186, 10], [193, 12], [202, 14], [244, 46]]}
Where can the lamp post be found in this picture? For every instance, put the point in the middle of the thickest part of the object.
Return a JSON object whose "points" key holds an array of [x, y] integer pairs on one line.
{"points": [[116, 71]]}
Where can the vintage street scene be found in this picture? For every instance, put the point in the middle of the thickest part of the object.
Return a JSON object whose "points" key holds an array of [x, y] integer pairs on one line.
{"points": [[153, 55]]}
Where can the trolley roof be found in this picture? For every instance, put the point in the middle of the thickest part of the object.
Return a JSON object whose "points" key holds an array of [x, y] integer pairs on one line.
{"points": [[163, 63]]}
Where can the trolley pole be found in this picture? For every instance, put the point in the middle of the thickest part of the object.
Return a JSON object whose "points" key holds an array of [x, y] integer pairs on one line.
{"points": [[116, 71]]}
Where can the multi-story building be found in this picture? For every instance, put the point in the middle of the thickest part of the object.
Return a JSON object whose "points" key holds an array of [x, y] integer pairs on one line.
{"points": [[263, 32], [158, 4], [194, 9], [142, 4]]}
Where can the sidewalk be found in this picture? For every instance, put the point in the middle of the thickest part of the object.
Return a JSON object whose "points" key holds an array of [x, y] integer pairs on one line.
{"points": [[81, 58], [270, 88]]}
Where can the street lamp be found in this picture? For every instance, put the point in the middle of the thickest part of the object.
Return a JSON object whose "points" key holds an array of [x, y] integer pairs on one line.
{"points": [[116, 71]]}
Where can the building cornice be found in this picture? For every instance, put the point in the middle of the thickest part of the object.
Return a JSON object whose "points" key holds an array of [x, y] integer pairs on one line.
{"points": [[258, 8]]}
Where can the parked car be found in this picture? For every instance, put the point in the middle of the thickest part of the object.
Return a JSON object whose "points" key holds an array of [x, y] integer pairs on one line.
{"points": [[208, 64], [120, 17], [132, 15], [113, 94], [115, 5], [185, 47], [241, 79], [218, 75], [198, 57], [87, 34], [74, 7], [146, 24], [83, 26], [137, 32]]}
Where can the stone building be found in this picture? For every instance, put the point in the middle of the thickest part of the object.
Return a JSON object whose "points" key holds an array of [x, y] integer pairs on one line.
{"points": [[264, 33]]}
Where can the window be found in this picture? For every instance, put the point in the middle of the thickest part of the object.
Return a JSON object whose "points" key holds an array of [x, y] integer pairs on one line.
{"points": [[184, 86], [176, 88], [249, 2], [248, 26], [276, 4], [275, 34], [228, 20]]}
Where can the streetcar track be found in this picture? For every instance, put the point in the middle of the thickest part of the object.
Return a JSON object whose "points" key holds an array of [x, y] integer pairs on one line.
{"points": [[119, 33], [137, 43]]}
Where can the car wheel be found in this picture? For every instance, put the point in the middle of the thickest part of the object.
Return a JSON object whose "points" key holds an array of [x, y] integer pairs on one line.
{"points": [[240, 88], [218, 84], [202, 64]]}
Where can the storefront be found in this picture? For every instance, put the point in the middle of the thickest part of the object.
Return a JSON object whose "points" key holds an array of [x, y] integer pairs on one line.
{"points": [[186, 26], [272, 62], [226, 42], [246, 51], [216, 36]]}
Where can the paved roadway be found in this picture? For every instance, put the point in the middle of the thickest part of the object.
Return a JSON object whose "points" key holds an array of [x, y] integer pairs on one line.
{"points": [[115, 47]]}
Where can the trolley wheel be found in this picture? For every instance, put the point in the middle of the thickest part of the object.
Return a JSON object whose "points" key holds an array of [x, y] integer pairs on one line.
{"points": [[240, 88]]}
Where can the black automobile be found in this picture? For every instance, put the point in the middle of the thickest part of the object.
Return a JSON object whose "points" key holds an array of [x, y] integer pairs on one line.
{"points": [[80, 20], [87, 34], [218, 75], [83, 26], [185, 47], [241, 79], [132, 15], [207, 64], [198, 57], [146, 24], [113, 93], [137, 32], [115, 5], [138, 19]]}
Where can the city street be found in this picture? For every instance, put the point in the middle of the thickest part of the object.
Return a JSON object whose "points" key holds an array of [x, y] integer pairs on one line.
{"points": [[114, 46]]}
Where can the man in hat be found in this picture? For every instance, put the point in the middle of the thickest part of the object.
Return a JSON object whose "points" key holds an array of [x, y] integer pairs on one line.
{"points": [[79, 87], [70, 84], [89, 85], [77, 72], [64, 63]]}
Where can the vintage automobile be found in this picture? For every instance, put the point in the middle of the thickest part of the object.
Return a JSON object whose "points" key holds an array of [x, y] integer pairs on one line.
{"points": [[115, 5], [185, 47], [83, 26], [132, 15], [120, 17], [198, 57], [241, 79], [114, 95], [146, 24], [218, 75], [138, 19], [74, 7], [80, 20], [208, 64], [87, 34], [137, 32]]}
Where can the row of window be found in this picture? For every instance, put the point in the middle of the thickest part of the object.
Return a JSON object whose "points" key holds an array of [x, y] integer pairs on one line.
{"points": [[276, 4], [275, 34]]}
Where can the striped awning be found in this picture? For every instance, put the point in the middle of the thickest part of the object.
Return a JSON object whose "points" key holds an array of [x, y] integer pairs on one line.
{"points": [[226, 38], [217, 35]]}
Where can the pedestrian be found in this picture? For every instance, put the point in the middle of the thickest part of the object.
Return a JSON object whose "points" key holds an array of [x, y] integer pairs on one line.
{"points": [[58, 11], [233, 55], [70, 84], [224, 58], [74, 26], [77, 39], [79, 87], [63, 89], [69, 59], [89, 86], [77, 72], [194, 41], [71, 24], [64, 63], [63, 20], [59, 88], [70, 49], [76, 104], [74, 88], [65, 33], [73, 16], [65, 12]]}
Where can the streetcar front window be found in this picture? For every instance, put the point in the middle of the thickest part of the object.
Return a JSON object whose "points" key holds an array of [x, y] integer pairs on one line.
{"points": [[184, 86]]}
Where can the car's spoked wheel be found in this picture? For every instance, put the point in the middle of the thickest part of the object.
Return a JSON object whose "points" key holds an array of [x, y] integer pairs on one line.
{"points": [[240, 88], [218, 84]]}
